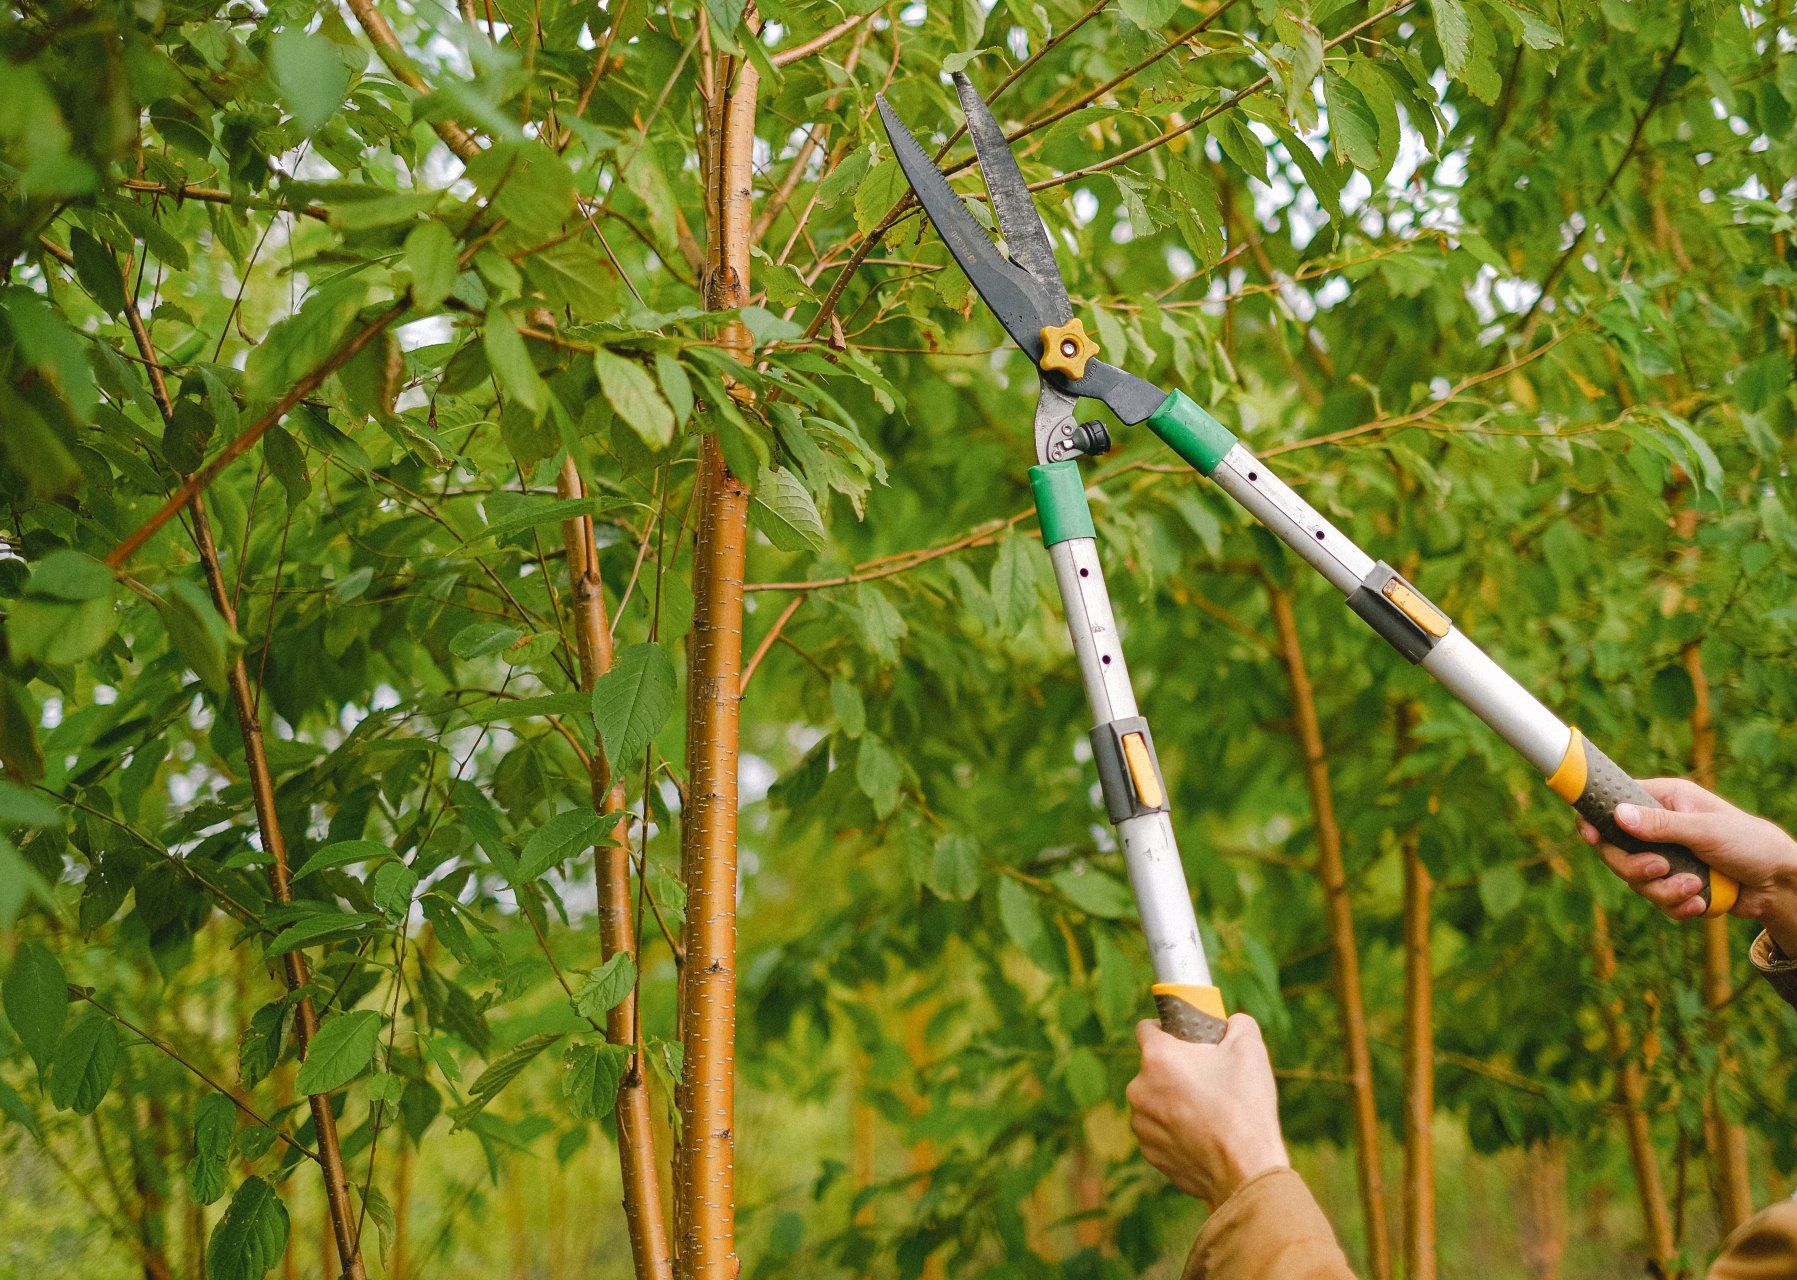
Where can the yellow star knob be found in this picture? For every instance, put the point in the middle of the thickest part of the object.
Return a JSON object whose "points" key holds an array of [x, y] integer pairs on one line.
{"points": [[1066, 348]]}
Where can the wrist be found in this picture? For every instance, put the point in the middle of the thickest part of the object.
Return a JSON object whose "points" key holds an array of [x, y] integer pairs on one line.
{"points": [[1248, 1161]]}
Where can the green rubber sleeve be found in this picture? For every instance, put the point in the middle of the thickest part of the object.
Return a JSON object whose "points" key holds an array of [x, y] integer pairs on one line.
{"points": [[1193, 434], [1061, 502]]}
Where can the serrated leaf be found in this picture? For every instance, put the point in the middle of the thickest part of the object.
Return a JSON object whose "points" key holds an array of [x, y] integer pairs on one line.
{"points": [[878, 192], [1013, 583], [251, 1236], [430, 257], [259, 1047], [501, 1072], [478, 639], [782, 509], [342, 1050], [509, 358], [36, 996], [633, 395], [85, 1062], [564, 836], [606, 987], [214, 1127], [1096, 893], [631, 702], [591, 1074], [342, 853], [849, 707], [310, 74], [1353, 129], [391, 889]]}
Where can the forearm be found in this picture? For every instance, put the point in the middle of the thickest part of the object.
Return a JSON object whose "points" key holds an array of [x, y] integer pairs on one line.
{"points": [[1269, 1227]]}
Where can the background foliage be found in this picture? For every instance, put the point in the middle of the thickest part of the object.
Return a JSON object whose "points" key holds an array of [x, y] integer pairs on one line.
{"points": [[1503, 287]]}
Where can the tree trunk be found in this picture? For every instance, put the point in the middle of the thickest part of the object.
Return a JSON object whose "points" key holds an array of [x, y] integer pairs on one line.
{"points": [[1419, 1068], [617, 925], [1725, 1142], [704, 1193], [1544, 1209], [1631, 1091], [274, 843], [1332, 872]]}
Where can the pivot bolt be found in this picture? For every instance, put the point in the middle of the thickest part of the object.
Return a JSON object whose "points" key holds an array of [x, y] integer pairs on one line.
{"points": [[1091, 439]]}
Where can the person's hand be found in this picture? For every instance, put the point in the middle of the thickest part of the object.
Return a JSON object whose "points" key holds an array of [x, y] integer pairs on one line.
{"points": [[1207, 1115], [1756, 853]]}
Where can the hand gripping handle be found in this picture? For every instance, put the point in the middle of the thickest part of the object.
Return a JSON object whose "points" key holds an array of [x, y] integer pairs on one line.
{"points": [[1594, 785], [1191, 1013]]}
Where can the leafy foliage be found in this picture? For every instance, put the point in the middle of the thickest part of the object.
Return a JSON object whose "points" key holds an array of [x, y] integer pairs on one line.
{"points": [[1503, 288]]}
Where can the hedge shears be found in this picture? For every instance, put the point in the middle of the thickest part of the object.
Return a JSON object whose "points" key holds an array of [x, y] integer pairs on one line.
{"points": [[1023, 287]]}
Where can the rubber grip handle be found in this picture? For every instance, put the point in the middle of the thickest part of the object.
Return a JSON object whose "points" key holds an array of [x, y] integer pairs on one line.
{"points": [[1606, 785], [1186, 1021]]}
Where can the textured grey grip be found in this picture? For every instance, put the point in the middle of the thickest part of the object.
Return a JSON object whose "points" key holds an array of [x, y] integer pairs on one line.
{"points": [[1607, 786], [1188, 1022]]}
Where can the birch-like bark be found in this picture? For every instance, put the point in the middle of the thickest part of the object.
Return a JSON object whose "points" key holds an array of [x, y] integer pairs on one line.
{"points": [[704, 1192], [1332, 873], [617, 925]]}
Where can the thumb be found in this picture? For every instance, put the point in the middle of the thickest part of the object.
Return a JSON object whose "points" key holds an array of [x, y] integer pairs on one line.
{"points": [[1699, 832]]}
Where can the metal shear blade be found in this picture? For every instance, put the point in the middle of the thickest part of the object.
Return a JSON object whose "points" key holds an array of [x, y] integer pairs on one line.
{"points": [[1025, 290]]}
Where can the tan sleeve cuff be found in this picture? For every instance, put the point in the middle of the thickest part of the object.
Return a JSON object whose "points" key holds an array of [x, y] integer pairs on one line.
{"points": [[1776, 967], [1271, 1226]]}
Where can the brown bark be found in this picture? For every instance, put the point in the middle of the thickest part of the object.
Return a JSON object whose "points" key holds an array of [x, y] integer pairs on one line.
{"points": [[262, 790], [1544, 1209], [293, 965], [1727, 1141], [704, 1192], [617, 926], [1631, 1092], [1419, 1068], [1332, 873]]}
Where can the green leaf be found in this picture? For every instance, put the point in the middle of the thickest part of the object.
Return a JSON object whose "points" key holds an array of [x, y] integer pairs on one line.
{"points": [[319, 925], [1240, 145], [342, 853], [1672, 695], [528, 183], [878, 774], [954, 867], [878, 193], [15, 1108], [251, 1236], [1084, 1074], [391, 889], [478, 639], [782, 509], [84, 1065], [850, 710], [198, 633], [310, 76], [1096, 893], [1118, 992], [631, 702], [564, 836], [606, 987], [98, 271], [501, 1072], [430, 257], [259, 1047], [1353, 129], [342, 1050], [591, 1074], [509, 359], [1150, 15], [1014, 583], [1501, 890], [36, 996], [633, 395], [1021, 916], [214, 1126]]}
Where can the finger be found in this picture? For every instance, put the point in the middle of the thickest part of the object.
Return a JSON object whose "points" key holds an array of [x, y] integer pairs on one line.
{"points": [[1634, 868], [1149, 1034], [1689, 909], [1684, 796], [1696, 831], [1671, 892], [1239, 1028], [1587, 832]]}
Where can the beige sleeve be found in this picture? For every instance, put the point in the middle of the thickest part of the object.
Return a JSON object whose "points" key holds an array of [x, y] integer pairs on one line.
{"points": [[1271, 1227], [1775, 967], [1762, 1248]]}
